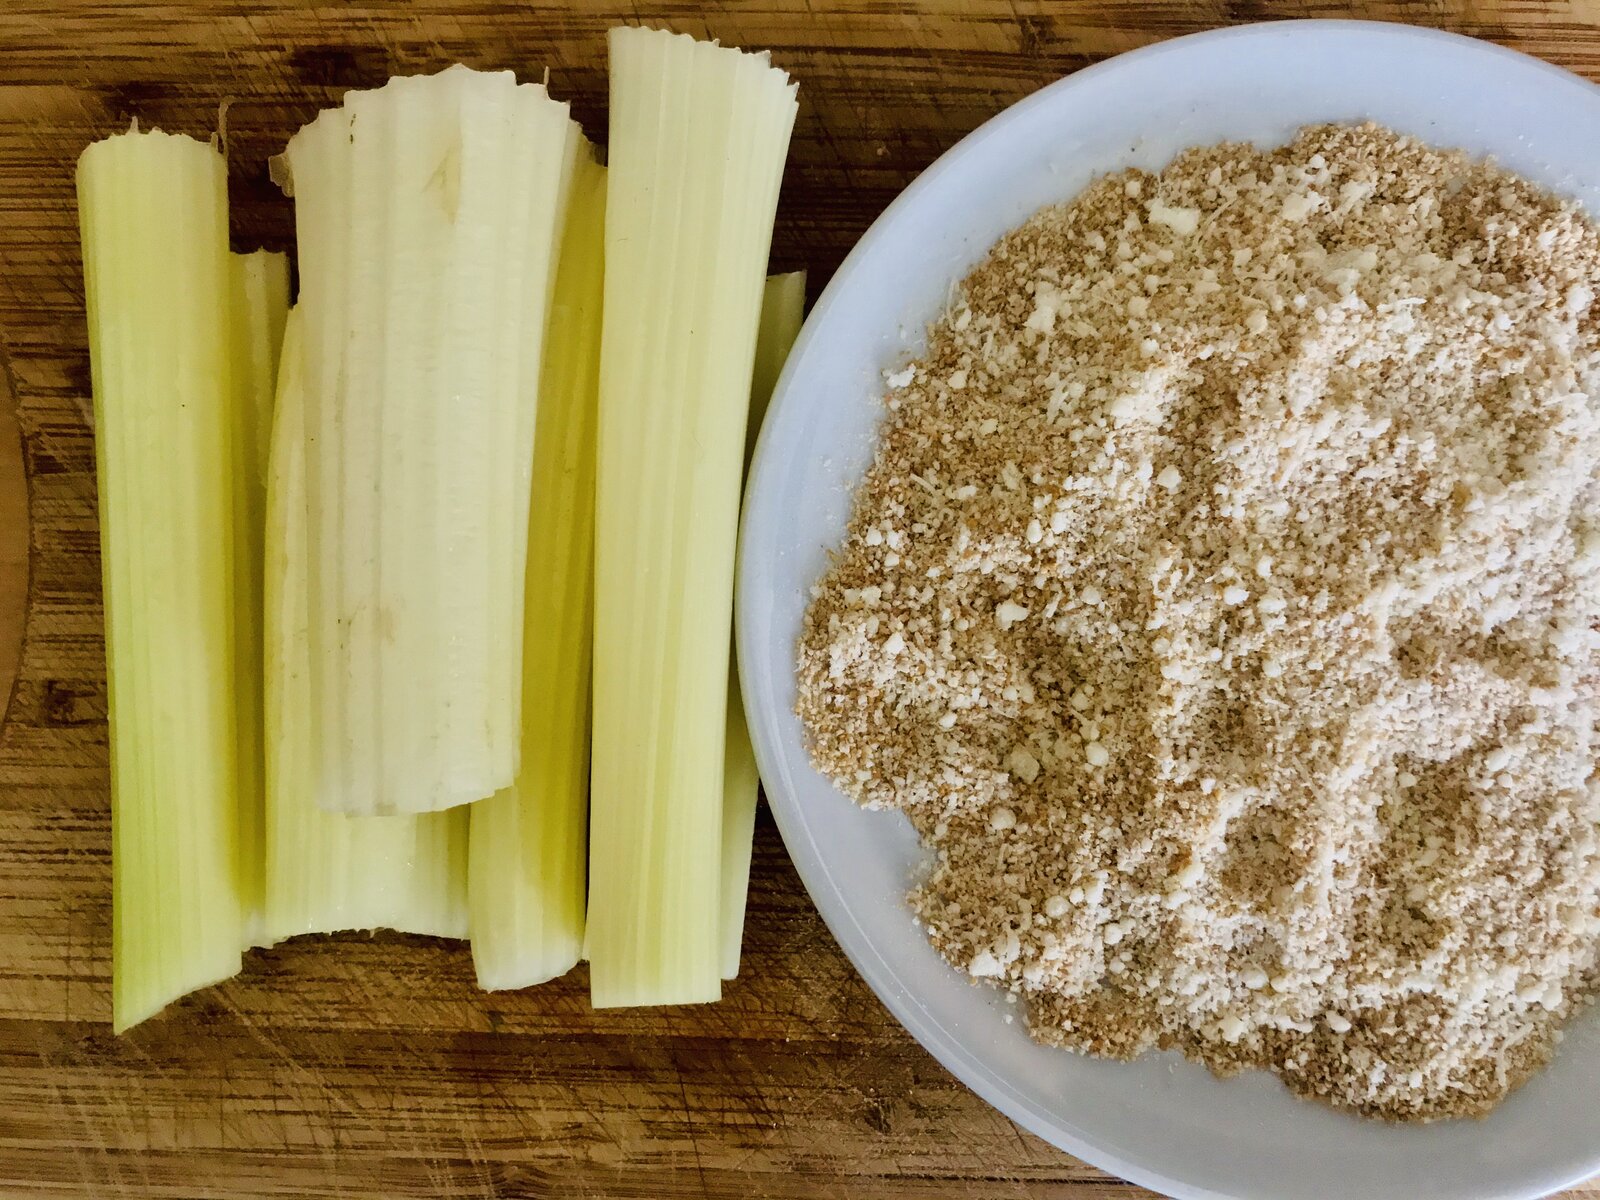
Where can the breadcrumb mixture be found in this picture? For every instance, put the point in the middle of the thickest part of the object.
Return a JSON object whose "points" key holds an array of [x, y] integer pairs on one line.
{"points": [[1221, 606]]}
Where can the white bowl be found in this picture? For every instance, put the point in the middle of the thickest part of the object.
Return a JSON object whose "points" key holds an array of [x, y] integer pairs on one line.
{"points": [[1161, 1122]]}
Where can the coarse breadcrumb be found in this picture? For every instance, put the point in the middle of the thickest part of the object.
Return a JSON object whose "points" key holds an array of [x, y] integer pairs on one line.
{"points": [[1221, 606]]}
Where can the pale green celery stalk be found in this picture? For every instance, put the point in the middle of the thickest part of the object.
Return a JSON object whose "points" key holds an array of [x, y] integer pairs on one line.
{"points": [[783, 307], [427, 213], [526, 873], [154, 215], [259, 285], [325, 871], [699, 134]]}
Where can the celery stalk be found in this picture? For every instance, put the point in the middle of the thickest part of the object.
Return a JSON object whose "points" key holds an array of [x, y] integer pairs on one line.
{"points": [[325, 871], [427, 212], [154, 215], [783, 307], [260, 304], [783, 311], [260, 311], [526, 870], [699, 134]]}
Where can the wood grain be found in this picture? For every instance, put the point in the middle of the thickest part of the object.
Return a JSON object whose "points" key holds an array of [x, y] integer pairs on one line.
{"points": [[13, 540], [371, 1066]]}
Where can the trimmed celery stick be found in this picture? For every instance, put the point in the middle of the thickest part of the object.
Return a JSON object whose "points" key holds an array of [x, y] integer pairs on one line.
{"points": [[154, 215], [699, 134], [783, 308], [428, 213], [783, 311], [326, 871], [526, 872], [260, 299]]}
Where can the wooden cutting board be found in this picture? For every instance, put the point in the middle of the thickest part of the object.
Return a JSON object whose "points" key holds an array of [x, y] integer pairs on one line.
{"points": [[372, 1067]]}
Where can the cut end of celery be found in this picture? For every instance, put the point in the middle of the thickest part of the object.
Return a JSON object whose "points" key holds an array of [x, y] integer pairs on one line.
{"points": [[629, 39], [554, 959], [525, 885], [134, 1006], [337, 874], [646, 992]]}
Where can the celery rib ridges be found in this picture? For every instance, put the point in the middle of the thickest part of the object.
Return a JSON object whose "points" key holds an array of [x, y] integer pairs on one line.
{"points": [[783, 305], [699, 134], [427, 213], [154, 219], [327, 872], [526, 872]]}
